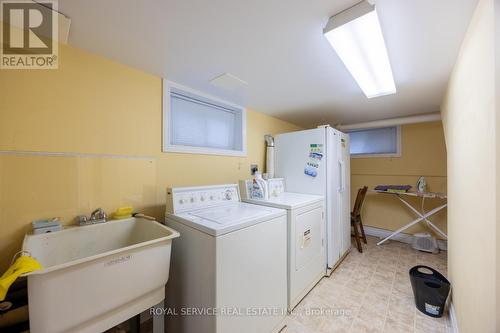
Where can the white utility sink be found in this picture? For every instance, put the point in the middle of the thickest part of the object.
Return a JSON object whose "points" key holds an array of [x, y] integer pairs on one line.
{"points": [[97, 276]]}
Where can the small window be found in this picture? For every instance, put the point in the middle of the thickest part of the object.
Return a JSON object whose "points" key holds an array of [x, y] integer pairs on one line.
{"points": [[201, 124], [376, 142]]}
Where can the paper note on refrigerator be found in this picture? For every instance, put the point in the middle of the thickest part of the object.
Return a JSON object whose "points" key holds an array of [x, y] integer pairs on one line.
{"points": [[314, 159]]}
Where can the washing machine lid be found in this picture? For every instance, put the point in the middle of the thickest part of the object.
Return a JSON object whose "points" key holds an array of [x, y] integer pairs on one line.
{"points": [[223, 219], [288, 200]]}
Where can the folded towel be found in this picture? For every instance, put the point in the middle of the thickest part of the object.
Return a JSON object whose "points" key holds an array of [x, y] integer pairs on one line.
{"points": [[23, 264]]}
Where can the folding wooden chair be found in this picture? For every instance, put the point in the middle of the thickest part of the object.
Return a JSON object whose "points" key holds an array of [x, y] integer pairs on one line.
{"points": [[356, 220]]}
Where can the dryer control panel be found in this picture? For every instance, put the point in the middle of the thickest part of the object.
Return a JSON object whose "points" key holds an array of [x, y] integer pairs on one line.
{"points": [[276, 186], [182, 199]]}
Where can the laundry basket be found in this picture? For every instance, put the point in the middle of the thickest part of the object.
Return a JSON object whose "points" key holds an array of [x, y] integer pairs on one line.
{"points": [[430, 289]]}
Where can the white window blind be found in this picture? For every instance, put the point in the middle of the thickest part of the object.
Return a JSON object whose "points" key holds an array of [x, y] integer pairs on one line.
{"points": [[375, 141], [198, 124]]}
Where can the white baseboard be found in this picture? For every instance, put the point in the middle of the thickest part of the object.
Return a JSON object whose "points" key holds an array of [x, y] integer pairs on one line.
{"points": [[453, 328], [401, 237]]}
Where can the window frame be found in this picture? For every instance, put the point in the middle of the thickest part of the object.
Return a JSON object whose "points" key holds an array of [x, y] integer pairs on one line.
{"points": [[381, 155], [169, 147]]}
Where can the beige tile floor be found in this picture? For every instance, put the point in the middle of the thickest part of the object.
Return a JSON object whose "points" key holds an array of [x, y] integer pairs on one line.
{"points": [[369, 292]]}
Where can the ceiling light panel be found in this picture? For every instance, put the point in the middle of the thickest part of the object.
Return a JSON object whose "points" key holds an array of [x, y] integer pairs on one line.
{"points": [[356, 36]]}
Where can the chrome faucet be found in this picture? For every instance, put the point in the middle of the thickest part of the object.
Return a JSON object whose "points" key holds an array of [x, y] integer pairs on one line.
{"points": [[97, 216]]}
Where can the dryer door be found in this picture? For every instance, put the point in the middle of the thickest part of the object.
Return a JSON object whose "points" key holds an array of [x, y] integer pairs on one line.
{"points": [[309, 235]]}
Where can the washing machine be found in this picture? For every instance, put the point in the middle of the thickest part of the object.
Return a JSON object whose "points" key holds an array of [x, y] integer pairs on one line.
{"points": [[228, 268], [306, 249]]}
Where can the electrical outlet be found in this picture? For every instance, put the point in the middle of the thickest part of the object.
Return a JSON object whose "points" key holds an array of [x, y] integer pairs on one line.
{"points": [[253, 168]]}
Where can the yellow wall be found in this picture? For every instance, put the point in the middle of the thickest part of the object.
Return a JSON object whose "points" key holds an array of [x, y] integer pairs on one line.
{"points": [[497, 107], [95, 106], [423, 154], [468, 114]]}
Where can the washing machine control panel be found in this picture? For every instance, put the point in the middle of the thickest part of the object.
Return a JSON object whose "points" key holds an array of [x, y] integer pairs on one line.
{"points": [[183, 199]]}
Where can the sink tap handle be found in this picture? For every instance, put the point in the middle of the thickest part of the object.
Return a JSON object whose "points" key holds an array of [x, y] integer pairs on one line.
{"points": [[98, 214], [82, 219]]}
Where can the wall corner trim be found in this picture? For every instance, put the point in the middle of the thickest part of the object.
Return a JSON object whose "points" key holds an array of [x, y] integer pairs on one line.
{"points": [[453, 327]]}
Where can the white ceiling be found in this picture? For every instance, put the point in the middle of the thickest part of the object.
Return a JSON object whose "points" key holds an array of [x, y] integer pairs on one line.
{"points": [[278, 48]]}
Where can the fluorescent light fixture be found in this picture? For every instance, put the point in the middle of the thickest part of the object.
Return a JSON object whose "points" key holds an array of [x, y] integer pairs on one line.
{"points": [[356, 36]]}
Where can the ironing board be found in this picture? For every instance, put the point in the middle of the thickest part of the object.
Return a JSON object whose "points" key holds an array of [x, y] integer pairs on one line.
{"points": [[422, 215]]}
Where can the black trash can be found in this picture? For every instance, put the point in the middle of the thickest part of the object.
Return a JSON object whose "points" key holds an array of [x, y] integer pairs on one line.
{"points": [[430, 289]]}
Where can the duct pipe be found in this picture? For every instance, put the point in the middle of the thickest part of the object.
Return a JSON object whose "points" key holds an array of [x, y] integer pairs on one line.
{"points": [[269, 155], [393, 122]]}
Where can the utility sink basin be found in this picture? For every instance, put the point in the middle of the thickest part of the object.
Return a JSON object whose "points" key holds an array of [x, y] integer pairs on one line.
{"points": [[97, 276]]}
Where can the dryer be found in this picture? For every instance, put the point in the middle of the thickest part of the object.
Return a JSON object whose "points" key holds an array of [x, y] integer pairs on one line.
{"points": [[306, 232], [228, 270]]}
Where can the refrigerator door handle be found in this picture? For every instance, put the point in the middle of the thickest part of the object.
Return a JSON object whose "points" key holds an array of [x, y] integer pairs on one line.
{"points": [[342, 176]]}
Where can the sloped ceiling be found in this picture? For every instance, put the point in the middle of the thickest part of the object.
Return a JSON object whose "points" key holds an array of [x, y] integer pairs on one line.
{"points": [[278, 48]]}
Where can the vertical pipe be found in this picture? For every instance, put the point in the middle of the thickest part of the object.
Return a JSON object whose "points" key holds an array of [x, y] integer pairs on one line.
{"points": [[269, 155], [270, 162]]}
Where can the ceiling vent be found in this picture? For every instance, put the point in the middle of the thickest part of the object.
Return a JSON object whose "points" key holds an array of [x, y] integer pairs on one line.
{"points": [[228, 81]]}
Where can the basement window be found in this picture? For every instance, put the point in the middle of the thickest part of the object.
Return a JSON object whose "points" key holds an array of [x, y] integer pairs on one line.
{"points": [[200, 124], [376, 142]]}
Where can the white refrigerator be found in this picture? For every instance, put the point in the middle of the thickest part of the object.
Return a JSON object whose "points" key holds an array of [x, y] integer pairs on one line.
{"points": [[317, 161]]}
